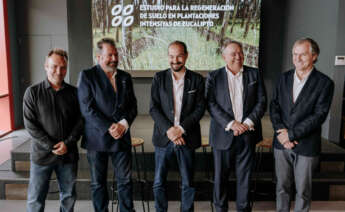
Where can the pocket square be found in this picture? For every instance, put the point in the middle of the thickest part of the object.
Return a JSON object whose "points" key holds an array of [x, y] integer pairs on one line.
{"points": [[192, 91], [251, 83]]}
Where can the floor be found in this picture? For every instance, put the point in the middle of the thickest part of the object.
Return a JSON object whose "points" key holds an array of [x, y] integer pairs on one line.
{"points": [[82, 206]]}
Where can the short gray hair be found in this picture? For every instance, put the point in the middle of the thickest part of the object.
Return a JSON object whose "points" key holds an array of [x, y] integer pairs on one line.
{"points": [[109, 41], [314, 47], [227, 42]]}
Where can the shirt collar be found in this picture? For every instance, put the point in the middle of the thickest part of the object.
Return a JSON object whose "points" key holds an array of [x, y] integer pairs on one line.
{"points": [[114, 74], [48, 85], [100, 68], [305, 79], [176, 81], [239, 74]]}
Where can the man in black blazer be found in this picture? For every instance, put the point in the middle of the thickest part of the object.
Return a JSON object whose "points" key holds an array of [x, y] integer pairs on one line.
{"points": [[236, 100], [177, 105], [109, 107], [299, 106]]}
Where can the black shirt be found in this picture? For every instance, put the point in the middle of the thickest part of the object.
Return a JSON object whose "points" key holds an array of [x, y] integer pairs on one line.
{"points": [[50, 117]]}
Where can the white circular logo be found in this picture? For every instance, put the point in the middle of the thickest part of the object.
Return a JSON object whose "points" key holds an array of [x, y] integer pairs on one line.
{"points": [[122, 15]]}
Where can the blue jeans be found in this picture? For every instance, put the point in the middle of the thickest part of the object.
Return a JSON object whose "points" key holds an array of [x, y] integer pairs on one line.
{"points": [[122, 163], [66, 174], [185, 159]]}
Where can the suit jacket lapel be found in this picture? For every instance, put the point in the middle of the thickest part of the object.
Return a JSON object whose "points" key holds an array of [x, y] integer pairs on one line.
{"points": [[309, 84], [225, 84], [186, 88], [120, 86], [289, 88], [105, 81], [109, 90], [169, 89], [245, 87]]}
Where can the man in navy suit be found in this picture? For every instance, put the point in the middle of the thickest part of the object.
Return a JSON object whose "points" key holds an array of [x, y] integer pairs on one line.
{"points": [[109, 107], [299, 106], [177, 105], [236, 100]]}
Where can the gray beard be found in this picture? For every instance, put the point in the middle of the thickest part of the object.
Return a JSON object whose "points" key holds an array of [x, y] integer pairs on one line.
{"points": [[110, 69]]}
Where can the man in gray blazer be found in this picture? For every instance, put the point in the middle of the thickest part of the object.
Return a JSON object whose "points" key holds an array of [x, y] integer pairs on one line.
{"points": [[299, 106]]}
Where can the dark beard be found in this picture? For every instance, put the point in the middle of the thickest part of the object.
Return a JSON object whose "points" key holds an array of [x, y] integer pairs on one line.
{"points": [[176, 70]]}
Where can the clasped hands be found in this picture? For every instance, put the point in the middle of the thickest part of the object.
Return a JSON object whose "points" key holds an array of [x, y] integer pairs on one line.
{"points": [[238, 128], [175, 135], [116, 130], [283, 138], [60, 148]]}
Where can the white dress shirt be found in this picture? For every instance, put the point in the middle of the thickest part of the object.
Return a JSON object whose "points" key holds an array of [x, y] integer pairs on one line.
{"points": [[235, 84], [298, 85], [178, 86]]}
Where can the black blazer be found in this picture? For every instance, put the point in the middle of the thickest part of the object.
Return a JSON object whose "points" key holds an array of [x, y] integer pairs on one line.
{"points": [[220, 107], [162, 107], [304, 118], [101, 106]]}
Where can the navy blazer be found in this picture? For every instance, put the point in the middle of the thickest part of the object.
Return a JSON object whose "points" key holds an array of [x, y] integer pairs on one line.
{"points": [[302, 119], [101, 106], [220, 107], [162, 107]]}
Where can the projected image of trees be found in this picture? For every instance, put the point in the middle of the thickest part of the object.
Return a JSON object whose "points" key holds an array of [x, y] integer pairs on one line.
{"points": [[143, 47]]}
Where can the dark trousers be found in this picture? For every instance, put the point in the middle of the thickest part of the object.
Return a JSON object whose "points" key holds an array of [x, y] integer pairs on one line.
{"points": [[66, 174], [122, 162], [292, 167], [242, 151], [185, 159]]}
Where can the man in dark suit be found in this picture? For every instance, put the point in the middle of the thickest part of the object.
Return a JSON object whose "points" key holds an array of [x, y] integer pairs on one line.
{"points": [[299, 106], [177, 105], [236, 100], [109, 107]]}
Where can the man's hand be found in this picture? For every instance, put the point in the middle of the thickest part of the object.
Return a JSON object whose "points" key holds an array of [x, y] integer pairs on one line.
{"points": [[117, 130], [238, 128], [289, 145], [283, 138], [175, 135], [179, 141], [60, 148]]}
